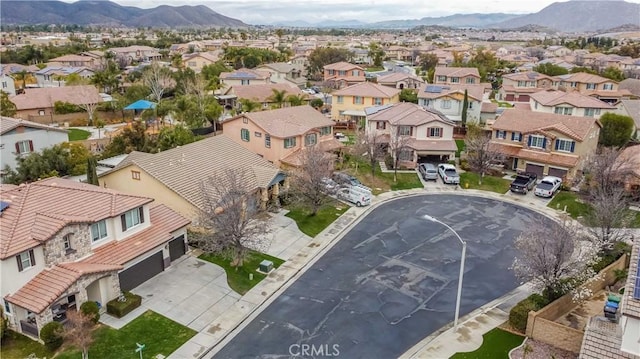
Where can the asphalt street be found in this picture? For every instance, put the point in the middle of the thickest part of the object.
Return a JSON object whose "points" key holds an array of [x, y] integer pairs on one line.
{"points": [[390, 281]]}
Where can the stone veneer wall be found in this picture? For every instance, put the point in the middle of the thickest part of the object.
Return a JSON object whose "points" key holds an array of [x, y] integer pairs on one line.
{"points": [[54, 251]]}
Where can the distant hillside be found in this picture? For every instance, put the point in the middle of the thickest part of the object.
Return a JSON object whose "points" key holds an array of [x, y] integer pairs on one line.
{"points": [[580, 15], [112, 14], [458, 20]]}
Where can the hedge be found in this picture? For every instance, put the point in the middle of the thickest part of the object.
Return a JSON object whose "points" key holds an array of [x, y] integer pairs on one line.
{"points": [[120, 309], [91, 310], [51, 335], [519, 314]]}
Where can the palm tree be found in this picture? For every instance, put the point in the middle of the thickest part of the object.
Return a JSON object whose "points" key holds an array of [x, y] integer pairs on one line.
{"points": [[296, 100], [278, 98], [22, 76], [248, 105]]}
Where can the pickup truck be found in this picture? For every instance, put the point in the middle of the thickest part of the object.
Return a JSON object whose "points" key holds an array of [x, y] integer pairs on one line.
{"points": [[523, 183]]}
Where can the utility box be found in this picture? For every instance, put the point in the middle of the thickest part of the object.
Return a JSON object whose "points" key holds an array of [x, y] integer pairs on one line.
{"points": [[265, 266]]}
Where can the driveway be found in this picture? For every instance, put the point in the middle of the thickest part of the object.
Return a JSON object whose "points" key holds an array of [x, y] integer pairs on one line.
{"points": [[390, 281]]}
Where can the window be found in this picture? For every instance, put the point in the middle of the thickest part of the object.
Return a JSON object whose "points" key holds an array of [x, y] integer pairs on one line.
{"points": [[257, 134], [244, 82], [442, 78], [377, 101], [66, 242], [434, 132], [26, 260], [244, 134], [516, 136], [404, 130], [521, 83], [267, 141], [355, 73], [342, 73], [135, 175], [24, 146], [98, 230], [591, 86], [471, 80], [358, 100], [7, 307], [405, 155], [607, 86], [289, 142], [565, 145], [500, 134], [590, 112], [455, 80], [381, 125], [4, 84], [192, 64], [245, 120], [340, 99], [446, 104], [326, 130], [563, 110], [537, 141], [310, 139], [132, 218], [573, 84]]}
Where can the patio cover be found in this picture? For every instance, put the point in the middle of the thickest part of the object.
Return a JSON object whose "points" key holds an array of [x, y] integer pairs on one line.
{"points": [[141, 105]]}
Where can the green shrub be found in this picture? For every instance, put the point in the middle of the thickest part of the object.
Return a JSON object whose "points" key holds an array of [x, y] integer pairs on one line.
{"points": [[91, 310], [519, 314], [4, 325], [61, 108], [120, 309], [51, 335]]}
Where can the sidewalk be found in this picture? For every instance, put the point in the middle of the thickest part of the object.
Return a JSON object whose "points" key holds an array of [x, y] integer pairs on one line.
{"points": [[222, 329]]}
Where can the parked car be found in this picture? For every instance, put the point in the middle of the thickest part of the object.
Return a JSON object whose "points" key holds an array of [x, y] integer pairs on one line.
{"points": [[359, 195], [523, 183], [448, 173], [548, 186], [330, 186], [428, 171], [345, 179]]}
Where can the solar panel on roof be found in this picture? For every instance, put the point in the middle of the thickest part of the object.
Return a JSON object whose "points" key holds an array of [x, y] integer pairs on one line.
{"points": [[3, 205], [433, 89], [636, 288]]}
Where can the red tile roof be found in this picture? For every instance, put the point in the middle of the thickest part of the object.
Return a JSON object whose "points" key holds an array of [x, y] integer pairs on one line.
{"points": [[342, 66], [368, 89], [529, 121], [35, 98], [8, 123], [558, 159]]}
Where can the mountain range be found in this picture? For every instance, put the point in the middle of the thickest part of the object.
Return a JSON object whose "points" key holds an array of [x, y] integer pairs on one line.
{"points": [[570, 16]]}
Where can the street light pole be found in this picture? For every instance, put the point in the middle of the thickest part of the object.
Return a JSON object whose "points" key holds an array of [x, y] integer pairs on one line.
{"points": [[462, 259]]}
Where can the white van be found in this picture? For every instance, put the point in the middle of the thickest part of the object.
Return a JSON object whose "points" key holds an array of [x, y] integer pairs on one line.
{"points": [[359, 195]]}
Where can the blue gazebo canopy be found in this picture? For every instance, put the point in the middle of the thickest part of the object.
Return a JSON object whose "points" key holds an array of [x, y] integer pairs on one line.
{"points": [[141, 105]]}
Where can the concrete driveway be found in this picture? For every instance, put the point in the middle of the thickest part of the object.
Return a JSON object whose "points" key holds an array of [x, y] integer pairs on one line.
{"points": [[390, 281]]}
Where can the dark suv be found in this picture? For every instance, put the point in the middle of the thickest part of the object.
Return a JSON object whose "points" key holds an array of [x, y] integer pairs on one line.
{"points": [[345, 179]]}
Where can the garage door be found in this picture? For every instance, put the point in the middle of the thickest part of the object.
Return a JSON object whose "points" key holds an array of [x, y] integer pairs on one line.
{"points": [[523, 98], [510, 97], [176, 248], [538, 170], [141, 272], [557, 172]]}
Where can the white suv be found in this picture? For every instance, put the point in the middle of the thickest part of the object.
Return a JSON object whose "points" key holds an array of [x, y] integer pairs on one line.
{"points": [[448, 173]]}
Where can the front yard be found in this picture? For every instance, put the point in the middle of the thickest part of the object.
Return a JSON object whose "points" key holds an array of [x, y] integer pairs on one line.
{"points": [[76, 134], [381, 182], [575, 207], [469, 180], [313, 225], [496, 344]]}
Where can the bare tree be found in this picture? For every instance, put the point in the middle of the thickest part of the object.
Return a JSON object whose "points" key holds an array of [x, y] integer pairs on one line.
{"points": [[89, 100], [398, 143], [605, 193], [231, 216], [481, 152], [549, 253], [158, 79], [78, 331], [369, 147], [308, 180]]}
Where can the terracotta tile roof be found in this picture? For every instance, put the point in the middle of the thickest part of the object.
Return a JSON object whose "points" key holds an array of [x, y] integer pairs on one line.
{"points": [[558, 159], [48, 285], [629, 160], [489, 107], [244, 74], [34, 98], [527, 76], [287, 121], [38, 210], [407, 113], [398, 76], [575, 99], [631, 306], [529, 121], [281, 67], [603, 340], [8, 123], [608, 93], [456, 71], [583, 77], [520, 90], [367, 89], [342, 66], [430, 91], [263, 92], [295, 158], [72, 57], [432, 145], [182, 169], [631, 85]]}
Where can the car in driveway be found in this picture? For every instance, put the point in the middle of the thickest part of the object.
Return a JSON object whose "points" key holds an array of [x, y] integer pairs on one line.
{"points": [[523, 183], [428, 171], [448, 173], [345, 179], [548, 186]]}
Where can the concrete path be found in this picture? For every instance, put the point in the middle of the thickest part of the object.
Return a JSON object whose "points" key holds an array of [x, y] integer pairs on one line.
{"points": [[97, 133]]}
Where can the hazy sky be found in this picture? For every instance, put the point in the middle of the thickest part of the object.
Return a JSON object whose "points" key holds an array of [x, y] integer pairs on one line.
{"points": [[313, 11]]}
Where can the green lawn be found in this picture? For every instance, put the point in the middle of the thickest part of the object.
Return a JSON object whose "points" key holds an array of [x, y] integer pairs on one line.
{"points": [[313, 225], [496, 344], [238, 277], [502, 104], [381, 182], [76, 134], [16, 345], [469, 180], [574, 208], [460, 144], [374, 68], [161, 335]]}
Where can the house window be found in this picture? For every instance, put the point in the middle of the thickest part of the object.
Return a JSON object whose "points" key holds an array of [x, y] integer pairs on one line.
{"points": [[342, 73], [24, 146], [434, 132], [245, 120], [573, 84], [326, 130], [66, 242], [340, 99], [537, 142], [565, 145], [135, 175], [358, 100], [98, 230], [516, 136], [267, 141], [132, 218], [591, 86], [455, 80], [471, 80], [405, 155], [257, 134], [500, 134], [521, 83], [244, 82], [26, 260], [442, 78], [355, 73], [590, 112], [191, 64], [310, 139], [381, 125], [404, 130], [7, 307], [446, 104], [377, 101], [289, 142], [607, 86], [563, 110], [4, 84], [244, 134]]}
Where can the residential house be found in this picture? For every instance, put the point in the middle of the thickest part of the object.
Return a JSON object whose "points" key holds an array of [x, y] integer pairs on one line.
{"points": [[568, 103], [7, 85], [488, 112], [243, 77], [20, 138], [64, 243], [55, 76], [40, 101], [545, 143], [74, 61], [556, 51], [196, 61], [629, 163], [618, 339], [428, 133], [136, 53], [401, 80], [632, 85], [174, 177], [631, 108], [264, 94], [592, 85], [348, 104], [342, 74], [282, 72], [361, 56], [456, 76], [400, 53], [300, 62], [280, 135], [517, 87], [449, 100]]}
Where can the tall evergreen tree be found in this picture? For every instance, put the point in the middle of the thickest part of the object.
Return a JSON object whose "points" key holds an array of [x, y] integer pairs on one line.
{"points": [[92, 174], [465, 107]]}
